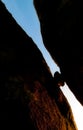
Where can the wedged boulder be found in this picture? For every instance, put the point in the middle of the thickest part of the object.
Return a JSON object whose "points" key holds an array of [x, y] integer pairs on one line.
{"points": [[29, 98], [61, 28]]}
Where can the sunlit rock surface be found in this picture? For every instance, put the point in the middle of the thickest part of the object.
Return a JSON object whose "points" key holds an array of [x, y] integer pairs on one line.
{"points": [[29, 98], [61, 28]]}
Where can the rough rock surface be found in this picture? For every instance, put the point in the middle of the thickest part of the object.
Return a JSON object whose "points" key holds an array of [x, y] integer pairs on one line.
{"points": [[29, 98], [61, 27]]}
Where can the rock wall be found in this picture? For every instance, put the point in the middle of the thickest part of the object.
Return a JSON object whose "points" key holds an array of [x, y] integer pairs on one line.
{"points": [[61, 28], [29, 98]]}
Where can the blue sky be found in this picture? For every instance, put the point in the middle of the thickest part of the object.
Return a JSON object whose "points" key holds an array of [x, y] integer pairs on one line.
{"points": [[25, 14]]}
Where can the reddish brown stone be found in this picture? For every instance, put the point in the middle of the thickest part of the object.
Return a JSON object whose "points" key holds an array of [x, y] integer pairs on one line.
{"points": [[29, 98]]}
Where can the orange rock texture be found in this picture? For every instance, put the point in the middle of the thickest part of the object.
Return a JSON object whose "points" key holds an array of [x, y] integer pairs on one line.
{"points": [[29, 98]]}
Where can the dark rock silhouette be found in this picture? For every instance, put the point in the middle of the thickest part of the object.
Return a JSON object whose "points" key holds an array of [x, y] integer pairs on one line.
{"points": [[61, 28], [29, 98]]}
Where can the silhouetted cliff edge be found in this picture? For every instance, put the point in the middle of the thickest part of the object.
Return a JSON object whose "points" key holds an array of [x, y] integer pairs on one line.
{"points": [[61, 27], [29, 98]]}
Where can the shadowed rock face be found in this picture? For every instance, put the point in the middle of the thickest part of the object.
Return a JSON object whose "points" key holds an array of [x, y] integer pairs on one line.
{"points": [[29, 98], [61, 28]]}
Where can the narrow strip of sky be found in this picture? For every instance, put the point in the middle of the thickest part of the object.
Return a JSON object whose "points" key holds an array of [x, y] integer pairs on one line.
{"points": [[24, 13]]}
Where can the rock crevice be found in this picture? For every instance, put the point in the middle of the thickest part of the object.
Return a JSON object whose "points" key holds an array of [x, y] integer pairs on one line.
{"points": [[29, 98]]}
